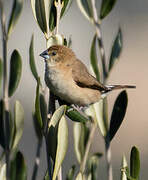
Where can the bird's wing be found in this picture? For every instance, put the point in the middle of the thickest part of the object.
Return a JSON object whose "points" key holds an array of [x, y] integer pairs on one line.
{"points": [[83, 79]]}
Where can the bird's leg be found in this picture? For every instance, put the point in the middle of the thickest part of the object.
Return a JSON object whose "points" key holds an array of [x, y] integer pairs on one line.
{"points": [[73, 107], [79, 109]]}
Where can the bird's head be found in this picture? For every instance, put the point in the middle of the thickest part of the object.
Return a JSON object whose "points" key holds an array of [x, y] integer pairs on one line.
{"points": [[57, 54]]}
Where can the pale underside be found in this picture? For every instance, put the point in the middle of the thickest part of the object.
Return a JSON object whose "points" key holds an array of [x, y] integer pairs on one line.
{"points": [[61, 82]]}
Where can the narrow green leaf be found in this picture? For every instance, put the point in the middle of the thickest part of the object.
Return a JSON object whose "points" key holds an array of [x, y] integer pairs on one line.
{"points": [[43, 109], [18, 168], [53, 13], [106, 7], [124, 166], [3, 171], [116, 50], [96, 112], [1, 72], [41, 15], [32, 60], [62, 144], [37, 128], [15, 72], [67, 4], [15, 14], [47, 5], [33, 8], [37, 107], [57, 116], [2, 135], [52, 130], [86, 9], [75, 116], [134, 163], [93, 58], [105, 112], [79, 135], [12, 129], [70, 175], [19, 123], [118, 113], [53, 16]]}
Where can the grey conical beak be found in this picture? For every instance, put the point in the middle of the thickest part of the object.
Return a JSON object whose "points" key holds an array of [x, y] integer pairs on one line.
{"points": [[45, 54]]}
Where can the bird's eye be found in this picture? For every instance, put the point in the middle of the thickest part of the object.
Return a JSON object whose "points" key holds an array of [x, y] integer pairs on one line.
{"points": [[53, 53]]}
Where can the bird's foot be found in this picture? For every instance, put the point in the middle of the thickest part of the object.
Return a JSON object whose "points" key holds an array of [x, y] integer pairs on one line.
{"points": [[80, 109]]}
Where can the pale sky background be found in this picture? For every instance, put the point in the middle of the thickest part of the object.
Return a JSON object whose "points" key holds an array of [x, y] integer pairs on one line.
{"points": [[132, 17]]}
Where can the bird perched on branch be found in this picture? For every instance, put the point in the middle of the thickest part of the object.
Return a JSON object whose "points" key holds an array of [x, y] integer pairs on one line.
{"points": [[68, 78]]}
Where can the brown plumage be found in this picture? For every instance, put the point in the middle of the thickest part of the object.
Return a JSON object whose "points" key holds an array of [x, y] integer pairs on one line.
{"points": [[68, 77]]}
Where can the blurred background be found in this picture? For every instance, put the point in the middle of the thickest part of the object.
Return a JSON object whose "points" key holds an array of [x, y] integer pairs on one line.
{"points": [[132, 68]]}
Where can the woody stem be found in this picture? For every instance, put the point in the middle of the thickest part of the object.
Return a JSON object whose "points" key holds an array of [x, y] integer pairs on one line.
{"points": [[5, 92]]}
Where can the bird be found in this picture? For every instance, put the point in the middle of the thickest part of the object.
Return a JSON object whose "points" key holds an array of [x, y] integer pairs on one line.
{"points": [[69, 79]]}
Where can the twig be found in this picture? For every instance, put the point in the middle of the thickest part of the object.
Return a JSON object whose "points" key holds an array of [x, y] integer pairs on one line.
{"points": [[60, 174], [91, 136], [37, 160], [59, 5], [108, 159], [5, 92], [100, 41], [51, 110], [49, 162], [105, 75]]}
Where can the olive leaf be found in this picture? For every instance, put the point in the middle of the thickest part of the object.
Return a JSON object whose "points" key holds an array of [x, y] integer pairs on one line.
{"points": [[18, 123], [79, 137], [52, 130], [75, 115], [116, 50], [15, 72], [86, 9], [53, 13], [38, 115], [118, 113], [2, 135], [32, 60], [1, 71], [15, 13], [57, 138], [93, 58], [134, 163], [41, 11], [66, 6], [96, 112], [41, 15], [18, 169], [62, 144], [106, 7]]}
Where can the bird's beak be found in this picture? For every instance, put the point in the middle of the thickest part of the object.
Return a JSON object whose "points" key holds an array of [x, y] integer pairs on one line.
{"points": [[45, 54]]}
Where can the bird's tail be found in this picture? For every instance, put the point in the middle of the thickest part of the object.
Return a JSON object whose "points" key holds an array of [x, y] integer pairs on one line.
{"points": [[114, 87]]}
